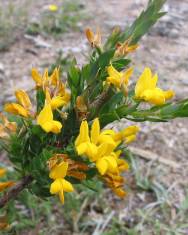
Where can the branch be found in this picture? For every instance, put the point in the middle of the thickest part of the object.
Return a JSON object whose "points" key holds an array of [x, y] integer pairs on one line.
{"points": [[100, 100], [15, 190]]}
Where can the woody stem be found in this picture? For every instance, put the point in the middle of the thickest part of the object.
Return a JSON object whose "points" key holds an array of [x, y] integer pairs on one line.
{"points": [[15, 190]]}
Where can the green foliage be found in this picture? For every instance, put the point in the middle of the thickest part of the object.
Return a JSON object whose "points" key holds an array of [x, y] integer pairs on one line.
{"points": [[140, 26], [31, 147]]}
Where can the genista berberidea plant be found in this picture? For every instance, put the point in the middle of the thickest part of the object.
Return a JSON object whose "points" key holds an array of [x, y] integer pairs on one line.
{"points": [[61, 139]]}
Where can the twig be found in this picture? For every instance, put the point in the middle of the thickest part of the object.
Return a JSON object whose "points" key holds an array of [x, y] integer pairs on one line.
{"points": [[100, 100], [15, 190], [154, 157]]}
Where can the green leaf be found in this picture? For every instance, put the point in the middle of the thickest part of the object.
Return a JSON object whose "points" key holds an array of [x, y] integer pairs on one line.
{"points": [[140, 26], [120, 64], [111, 103], [40, 99]]}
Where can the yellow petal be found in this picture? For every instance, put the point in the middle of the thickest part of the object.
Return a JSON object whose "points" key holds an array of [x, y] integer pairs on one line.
{"points": [[130, 139], [105, 149], [112, 72], [2, 172], [169, 94], [90, 35], [61, 196], [59, 171], [145, 82], [61, 88], [23, 99], [45, 118], [130, 131], [67, 186], [112, 163], [45, 115], [84, 134], [36, 77], [56, 127], [81, 148], [56, 186], [95, 131], [91, 151], [57, 102], [155, 96], [119, 192], [118, 153], [132, 48], [45, 78], [108, 132], [126, 76], [55, 77], [122, 165], [115, 81], [53, 7], [16, 109], [102, 166], [4, 185]]}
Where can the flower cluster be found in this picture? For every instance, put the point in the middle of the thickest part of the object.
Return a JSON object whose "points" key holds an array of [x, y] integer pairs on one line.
{"points": [[61, 139], [101, 147]]}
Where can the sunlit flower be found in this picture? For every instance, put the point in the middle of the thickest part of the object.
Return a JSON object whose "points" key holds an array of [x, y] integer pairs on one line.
{"points": [[57, 101], [146, 89], [53, 7], [94, 39], [23, 107], [118, 78], [60, 185], [99, 146], [45, 120], [75, 169]]}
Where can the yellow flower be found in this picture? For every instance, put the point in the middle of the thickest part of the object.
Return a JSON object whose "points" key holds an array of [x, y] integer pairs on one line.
{"points": [[93, 146], [23, 107], [45, 120], [40, 80], [94, 39], [118, 78], [124, 48], [52, 85], [106, 163], [57, 101], [4, 185], [53, 7], [60, 185], [128, 134], [99, 146], [146, 89]]}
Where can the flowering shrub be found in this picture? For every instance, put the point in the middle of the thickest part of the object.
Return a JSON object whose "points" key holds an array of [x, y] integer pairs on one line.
{"points": [[58, 140]]}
